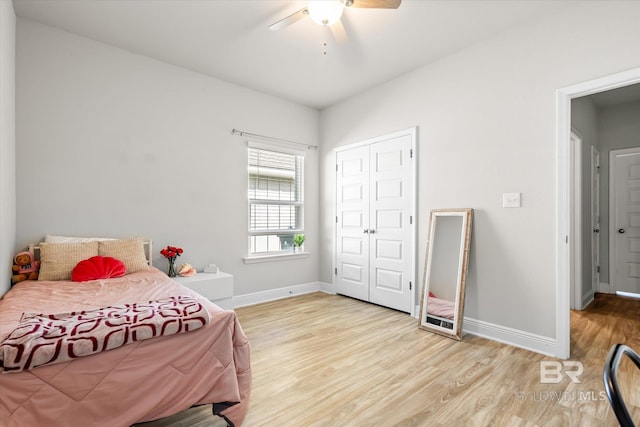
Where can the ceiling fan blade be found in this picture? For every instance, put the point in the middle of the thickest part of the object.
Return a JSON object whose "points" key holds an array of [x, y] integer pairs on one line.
{"points": [[339, 33], [285, 22], [374, 4]]}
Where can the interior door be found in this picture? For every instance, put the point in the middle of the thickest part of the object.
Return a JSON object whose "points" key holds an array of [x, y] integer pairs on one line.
{"points": [[352, 223], [390, 228], [595, 219], [625, 220]]}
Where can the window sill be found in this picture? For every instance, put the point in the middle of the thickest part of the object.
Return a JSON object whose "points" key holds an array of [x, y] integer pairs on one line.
{"points": [[275, 257]]}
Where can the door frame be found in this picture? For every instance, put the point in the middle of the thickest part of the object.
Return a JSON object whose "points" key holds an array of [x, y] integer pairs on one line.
{"points": [[575, 176], [564, 222], [413, 133], [579, 297], [612, 211], [595, 222]]}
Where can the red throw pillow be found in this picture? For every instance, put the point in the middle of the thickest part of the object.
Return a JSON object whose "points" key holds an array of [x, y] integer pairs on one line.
{"points": [[98, 267], [431, 295]]}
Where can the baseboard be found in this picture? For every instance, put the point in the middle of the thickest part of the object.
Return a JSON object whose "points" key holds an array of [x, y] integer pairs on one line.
{"points": [[510, 336], [280, 293], [605, 288], [587, 298]]}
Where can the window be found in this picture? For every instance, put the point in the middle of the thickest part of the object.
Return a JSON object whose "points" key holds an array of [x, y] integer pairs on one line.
{"points": [[276, 199]]}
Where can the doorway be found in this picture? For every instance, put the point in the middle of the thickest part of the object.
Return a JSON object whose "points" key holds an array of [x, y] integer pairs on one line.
{"points": [[565, 221]]}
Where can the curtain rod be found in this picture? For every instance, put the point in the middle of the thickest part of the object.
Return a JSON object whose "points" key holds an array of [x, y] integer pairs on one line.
{"points": [[270, 138]]}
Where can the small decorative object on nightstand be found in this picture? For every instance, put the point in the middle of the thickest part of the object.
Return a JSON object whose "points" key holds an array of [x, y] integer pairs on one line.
{"points": [[211, 268], [187, 270], [217, 287], [171, 253]]}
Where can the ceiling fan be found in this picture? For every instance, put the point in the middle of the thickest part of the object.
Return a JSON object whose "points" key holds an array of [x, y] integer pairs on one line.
{"points": [[328, 12]]}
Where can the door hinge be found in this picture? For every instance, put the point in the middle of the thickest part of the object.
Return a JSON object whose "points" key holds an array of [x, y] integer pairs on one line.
{"points": [[566, 239], [410, 286], [336, 271], [598, 269], [411, 153], [410, 219], [336, 167], [336, 219]]}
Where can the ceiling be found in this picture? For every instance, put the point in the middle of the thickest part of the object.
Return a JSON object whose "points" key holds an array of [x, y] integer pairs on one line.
{"points": [[622, 95], [229, 39]]}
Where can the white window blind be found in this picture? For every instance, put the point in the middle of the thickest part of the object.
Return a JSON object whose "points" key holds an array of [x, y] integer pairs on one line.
{"points": [[276, 200]]}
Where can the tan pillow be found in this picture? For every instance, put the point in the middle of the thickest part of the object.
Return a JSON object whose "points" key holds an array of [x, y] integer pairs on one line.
{"points": [[57, 260], [130, 252]]}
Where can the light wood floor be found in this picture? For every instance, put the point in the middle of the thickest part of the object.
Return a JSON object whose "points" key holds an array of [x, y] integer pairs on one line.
{"points": [[323, 360]]}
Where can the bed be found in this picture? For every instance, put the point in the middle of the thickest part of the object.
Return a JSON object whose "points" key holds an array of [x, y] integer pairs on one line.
{"points": [[140, 381]]}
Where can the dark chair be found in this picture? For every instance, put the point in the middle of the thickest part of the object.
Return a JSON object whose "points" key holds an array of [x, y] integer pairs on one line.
{"points": [[610, 377]]}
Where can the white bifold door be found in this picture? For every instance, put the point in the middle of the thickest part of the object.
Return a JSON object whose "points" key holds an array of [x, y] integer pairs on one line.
{"points": [[375, 238]]}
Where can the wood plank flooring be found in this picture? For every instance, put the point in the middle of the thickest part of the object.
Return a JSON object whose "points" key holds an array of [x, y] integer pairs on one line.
{"points": [[324, 360]]}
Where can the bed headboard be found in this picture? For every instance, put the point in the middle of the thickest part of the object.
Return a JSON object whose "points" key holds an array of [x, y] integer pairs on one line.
{"points": [[148, 250]]}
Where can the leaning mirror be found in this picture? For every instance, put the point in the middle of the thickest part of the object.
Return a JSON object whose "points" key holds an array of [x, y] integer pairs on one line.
{"points": [[446, 271]]}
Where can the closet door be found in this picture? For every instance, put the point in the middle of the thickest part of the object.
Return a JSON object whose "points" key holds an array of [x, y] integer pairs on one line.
{"points": [[375, 245], [390, 224], [352, 223]]}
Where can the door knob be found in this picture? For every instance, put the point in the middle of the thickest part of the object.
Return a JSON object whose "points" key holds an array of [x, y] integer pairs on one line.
{"points": [[596, 230], [621, 230], [365, 231], [372, 231]]}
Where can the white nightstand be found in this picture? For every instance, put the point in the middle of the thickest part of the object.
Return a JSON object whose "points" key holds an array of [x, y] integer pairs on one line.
{"points": [[218, 287]]}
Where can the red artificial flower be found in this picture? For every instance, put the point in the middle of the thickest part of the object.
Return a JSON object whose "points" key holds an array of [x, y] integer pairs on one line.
{"points": [[171, 252]]}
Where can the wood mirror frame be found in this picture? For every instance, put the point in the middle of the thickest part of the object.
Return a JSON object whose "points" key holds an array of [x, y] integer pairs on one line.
{"points": [[445, 271]]}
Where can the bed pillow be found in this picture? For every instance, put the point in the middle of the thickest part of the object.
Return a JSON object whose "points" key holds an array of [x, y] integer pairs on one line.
{"points": [[57, 260], [130, 252], [65, 239], [98, 267]]}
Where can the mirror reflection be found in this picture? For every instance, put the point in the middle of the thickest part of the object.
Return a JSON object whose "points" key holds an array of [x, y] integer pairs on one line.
{"points": [[445, 271]]}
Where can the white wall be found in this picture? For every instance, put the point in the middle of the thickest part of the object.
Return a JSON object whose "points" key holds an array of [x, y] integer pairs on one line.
{"points": [[7, 142], [487, 119], [111, 143], [584, 119], [618, 128]]}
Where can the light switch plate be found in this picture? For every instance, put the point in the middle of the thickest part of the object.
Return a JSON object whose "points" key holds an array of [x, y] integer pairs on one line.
{"points": [[511, 200]]}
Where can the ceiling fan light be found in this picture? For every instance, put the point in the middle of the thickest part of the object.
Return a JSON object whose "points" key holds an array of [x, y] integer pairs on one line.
{"points": [[325, 12]]}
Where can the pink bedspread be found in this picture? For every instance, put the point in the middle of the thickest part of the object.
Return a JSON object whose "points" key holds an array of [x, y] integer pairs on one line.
{"points": [[142, 381]]}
